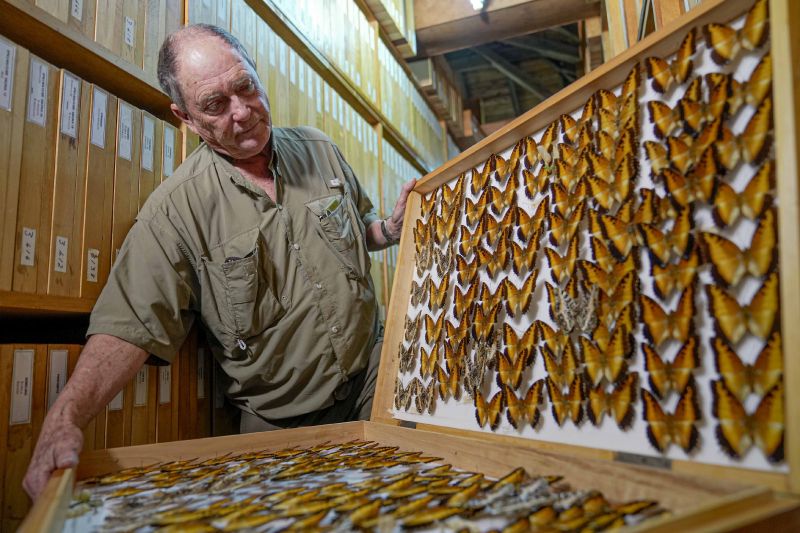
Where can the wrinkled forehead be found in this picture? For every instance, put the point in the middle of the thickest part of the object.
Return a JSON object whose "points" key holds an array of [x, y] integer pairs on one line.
{"points": [[205, 55]]}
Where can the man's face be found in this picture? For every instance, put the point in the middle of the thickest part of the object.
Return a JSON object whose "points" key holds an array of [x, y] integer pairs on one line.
{"points": [[225, 101]]}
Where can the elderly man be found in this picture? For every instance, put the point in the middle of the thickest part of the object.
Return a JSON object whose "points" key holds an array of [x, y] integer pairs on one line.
{"points": [[263, 234]]}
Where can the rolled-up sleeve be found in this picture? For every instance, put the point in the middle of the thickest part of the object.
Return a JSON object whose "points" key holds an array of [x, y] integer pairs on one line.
{"points": [[148, 299]]}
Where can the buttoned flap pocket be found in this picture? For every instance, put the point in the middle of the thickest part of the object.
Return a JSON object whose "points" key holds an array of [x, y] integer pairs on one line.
{"points": [[334, 220]]}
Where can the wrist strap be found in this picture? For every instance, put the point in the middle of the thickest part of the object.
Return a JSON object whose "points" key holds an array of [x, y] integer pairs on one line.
{"points": [[386, 235]]}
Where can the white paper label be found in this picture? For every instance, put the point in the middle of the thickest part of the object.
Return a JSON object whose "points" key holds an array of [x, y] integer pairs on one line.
{"points": [[130, 31], [8, 55], [62, 246], [56, 376], [21, 387], [70, 104], [37, 92], [219, 390], [148, 140], [76, 9], [28, 249], [125, 132], [164, 384], [140, 388], [92, 264], [116, 402], [169, 150], [99, 110], [201, 374]]}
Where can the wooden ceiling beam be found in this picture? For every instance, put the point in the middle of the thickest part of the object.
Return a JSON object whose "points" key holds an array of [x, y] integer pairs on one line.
{"points": [[546, 48], [513, 73]]}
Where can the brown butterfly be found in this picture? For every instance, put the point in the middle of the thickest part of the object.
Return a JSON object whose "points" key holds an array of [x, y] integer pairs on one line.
{"points": [[428, 360], [677, 242], [449, 383], [679, 427], [514, 343], [523, 257], [457, 333], [737, 430], [466, 271], [658, 157], [445, 260], [684, 152], [475, 210], [509, 371], [488, 412], [726, 42], [622, 235], [535, 183], [406, 357], [733, 320], [668, 376], [491, 298], [608, 362], [612, 306], [674, 277], [499, 199], [563, 267], [743, 379], [666, 74], [403, 395], [518, 299], [529, 226], [412, 328], [496, 261], [618, 114], [433, 329], [478, 181], [462, 301], [561, 371], [499, 229], [428, 205], [612, 153], [660, 325], [665, 120], [608, 281], [484, 322], [612, 193], [750, 203], [700, 185], [445, 226], [419, 291], [757, 87], [471, 239], [425, 399], [752, 145], [731, 264], [618, 403], [569, 405], [563, 229], [524, 409], [601, 254], [438, 293], [555, 340], [566, 202]]}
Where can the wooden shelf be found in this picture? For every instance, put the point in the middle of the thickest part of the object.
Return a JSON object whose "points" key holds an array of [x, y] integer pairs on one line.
{"points": [[65, 47], [28, 304]]}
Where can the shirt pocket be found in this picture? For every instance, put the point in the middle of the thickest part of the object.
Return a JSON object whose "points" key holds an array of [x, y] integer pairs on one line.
{"points": [[237, 295], [334, 220]]}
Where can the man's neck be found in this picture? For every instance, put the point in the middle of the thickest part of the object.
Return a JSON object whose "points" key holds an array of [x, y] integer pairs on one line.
{"points": [[257, 170]]}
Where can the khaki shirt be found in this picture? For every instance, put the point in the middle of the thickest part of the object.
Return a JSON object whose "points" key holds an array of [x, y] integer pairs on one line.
{"points": [[283, 287]]}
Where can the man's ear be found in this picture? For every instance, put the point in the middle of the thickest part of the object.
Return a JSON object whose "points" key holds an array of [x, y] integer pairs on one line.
{"points": [[183, 117]]}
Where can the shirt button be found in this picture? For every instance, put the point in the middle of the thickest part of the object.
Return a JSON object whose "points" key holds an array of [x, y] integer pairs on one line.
{"points": [[296, 246], [335, 329], [318, 285], [280, 207]]}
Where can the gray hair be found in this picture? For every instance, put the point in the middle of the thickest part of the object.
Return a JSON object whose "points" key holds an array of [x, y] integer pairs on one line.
{"points": [[168, 56]]}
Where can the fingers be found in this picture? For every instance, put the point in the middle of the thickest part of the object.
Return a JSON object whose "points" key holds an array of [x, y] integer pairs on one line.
{"points": [[55, 449], [400, 206]]}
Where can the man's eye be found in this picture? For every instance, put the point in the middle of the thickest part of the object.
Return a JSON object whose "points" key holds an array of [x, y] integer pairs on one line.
{"points": [[214, 107], [247, 87]]}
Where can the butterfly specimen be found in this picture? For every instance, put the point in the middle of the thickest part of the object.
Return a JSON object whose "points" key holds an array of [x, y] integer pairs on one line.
{"points": [[475, 210], [731, 264], [425, 398], [607, 361], [518, 299], [737, 430], [674, 277], [488, 412], [563, 268], [729, 205], [433, 328], [612, 153], [566, 202], [470, 240], [726, 42], [561, 370], [618, 403], [445, 260], [668, 376], [741, 378], [515, 343], [658, 157], [428, 360], [438, 293], [455, 353], [621, 234], [665, 120], [406, 357], [419, 291], [449, 383], [500, 199], [509, 371], [534, 183], [754, 90], [462, 301], [555, 340], [452, 198], [679, 428], [699, 185], [457, 333], [411, 332], [613, 192], [664, 74], [523, 257], [573, 312], [496, 230], [752, 145], [684, 151], [483, 323], [608, 281], [428, 205], [660, 325], [568, 405], [402, 395], [466, 271], [526, 408], [613, 306], [445, 226], [563, 229], [678, 241], [498, 261], [479, 180], [733, 320]]}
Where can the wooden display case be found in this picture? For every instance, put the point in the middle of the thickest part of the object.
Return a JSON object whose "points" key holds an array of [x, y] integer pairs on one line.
{"points": [[700, 495]]}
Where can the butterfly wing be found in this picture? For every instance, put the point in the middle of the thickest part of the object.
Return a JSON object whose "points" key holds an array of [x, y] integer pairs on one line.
{"points": [[731, 431]]}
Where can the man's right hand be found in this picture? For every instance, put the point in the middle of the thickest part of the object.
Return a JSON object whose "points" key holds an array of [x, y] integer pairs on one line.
{"points": [[59, 445]]}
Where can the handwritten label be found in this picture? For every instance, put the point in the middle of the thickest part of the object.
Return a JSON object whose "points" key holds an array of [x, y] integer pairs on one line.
{"points": [[140, 388], [125, 132], [28, 249], [201, 374], [92, 264], [62, 246], [148, 140], [99, 111], [169, 150], [8, 58], [70, 105], [21, 387], [130, 31], [76, 9], [116, 402], [56, 375], [37, 92], [164, 384]]}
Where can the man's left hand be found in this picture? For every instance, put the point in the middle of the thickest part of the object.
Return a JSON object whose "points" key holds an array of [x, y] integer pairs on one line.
{"points": [[394, 223]]}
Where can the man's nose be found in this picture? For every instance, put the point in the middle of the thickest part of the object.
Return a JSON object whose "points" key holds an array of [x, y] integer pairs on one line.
{"points": [[240, 110]]}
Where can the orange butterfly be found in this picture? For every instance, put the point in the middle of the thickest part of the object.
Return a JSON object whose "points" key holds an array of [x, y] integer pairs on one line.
{"points": [[602, 334], [495, 229], [737, 430], [495, 164], [535, 183], [660, 326], [618, 114], [488, 413], [608, 281], [694, 91], [621, 234], [561, 371], [449, 384], [478, 181], [601, 254], [679, 428], [741, 378], [483, 323], [444, 227], [618, 403], [527, 225], [612, 153], [608, 361], [466, 271], [684, 152], [524, 409], [471, 239], [523, 258], [664, 74], [555, 341], [584, 137], [658, 157], [433, 329], [731, 264], [454, 353], [611, 193], [700, 185], [757, 87], [500, 199], [451, 197], [515, 344], [666, 376], [428, 361], [428, 205], [563, 268], [565, 202], [569, 405], [509, 371], [516, 155], [733, 320], [402, 395], [438, 294], [724, 95], [751, 202], [674, 277], [518, 299], [476, 210], [456, 334], [547, 141], [462, 301], [563, 229], [679, 241], [490, 299], [726, 42], [497, 261], [569, 128], [752, 145], [665, 120], [614, 305], [531, 153]]}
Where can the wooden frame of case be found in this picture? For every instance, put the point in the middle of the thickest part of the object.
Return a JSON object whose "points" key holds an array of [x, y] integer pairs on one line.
{"points": [[702, 497]]}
